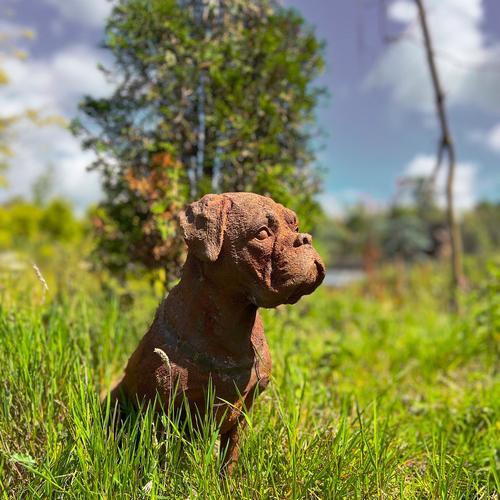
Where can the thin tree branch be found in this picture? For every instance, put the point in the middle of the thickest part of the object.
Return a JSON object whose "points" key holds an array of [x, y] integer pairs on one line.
{"points": [[439, 161], [445, 144]]}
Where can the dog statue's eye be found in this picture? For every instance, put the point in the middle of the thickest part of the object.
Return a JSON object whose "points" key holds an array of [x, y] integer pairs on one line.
{"points": [[263, 233]]}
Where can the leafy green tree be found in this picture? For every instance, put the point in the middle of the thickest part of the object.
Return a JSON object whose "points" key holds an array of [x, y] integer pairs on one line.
{"points": [[20, 223], [59, 223], [43, 186], [25, 224], [424, 199], [405, 235], [481, 234], [210, 96], [363, 229]]}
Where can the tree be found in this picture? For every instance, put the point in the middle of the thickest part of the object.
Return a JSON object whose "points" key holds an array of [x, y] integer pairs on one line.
{"points": [[480, 229], [420, 193], [43, 186], [405, 235], [211, 97], [445, 145]]}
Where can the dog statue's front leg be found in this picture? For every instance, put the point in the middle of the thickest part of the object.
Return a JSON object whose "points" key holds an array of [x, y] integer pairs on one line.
{"points": [[230, 447]]}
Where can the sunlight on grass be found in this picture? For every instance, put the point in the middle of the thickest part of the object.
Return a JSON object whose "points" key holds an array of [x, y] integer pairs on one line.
{"points": [[370, 398]]}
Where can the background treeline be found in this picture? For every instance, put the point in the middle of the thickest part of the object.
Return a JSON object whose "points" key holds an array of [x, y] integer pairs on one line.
{"points": [[362, 238], [407, 231]]}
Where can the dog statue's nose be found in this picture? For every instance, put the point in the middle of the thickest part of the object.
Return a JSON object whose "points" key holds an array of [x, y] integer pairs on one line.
{"points": [[302, 239]]}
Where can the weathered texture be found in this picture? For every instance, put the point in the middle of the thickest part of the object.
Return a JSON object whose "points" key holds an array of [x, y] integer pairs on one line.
{"points": [[244, 252]]}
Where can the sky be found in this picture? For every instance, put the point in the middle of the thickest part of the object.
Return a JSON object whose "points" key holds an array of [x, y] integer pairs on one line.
{"points": [[378, 122]]}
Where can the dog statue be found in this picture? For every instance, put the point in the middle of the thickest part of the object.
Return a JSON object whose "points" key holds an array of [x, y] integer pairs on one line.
{"points": [[244, 252]]}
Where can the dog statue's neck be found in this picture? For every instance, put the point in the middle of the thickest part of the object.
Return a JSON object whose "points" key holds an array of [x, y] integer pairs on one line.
{"points": [[212, 318]]}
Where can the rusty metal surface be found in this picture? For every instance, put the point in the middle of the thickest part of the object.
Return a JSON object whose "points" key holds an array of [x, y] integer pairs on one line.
{"points": [[244, 252]]}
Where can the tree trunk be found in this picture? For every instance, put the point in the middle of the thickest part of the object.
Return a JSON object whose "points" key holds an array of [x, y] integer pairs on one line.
{"points": [[445, 144]]}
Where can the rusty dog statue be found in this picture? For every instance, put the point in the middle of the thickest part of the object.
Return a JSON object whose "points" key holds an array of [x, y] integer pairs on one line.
{"points": [[244, 252]]}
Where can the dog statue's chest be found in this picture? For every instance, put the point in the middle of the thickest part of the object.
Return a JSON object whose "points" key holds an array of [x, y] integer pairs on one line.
{"points": [[234, 384], [194, 373]]}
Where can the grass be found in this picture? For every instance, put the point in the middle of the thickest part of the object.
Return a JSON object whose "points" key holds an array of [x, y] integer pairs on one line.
{"points": [[374, 395]]}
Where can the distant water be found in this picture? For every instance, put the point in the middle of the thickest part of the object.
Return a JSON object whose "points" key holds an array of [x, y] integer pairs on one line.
{"points": [[343, 277]]}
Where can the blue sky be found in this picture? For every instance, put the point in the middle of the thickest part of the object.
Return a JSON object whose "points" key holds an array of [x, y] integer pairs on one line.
{"points": [[378, 122]]}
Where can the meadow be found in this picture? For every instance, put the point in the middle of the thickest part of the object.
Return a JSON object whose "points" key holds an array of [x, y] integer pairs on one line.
{"points": [[377, 392]]}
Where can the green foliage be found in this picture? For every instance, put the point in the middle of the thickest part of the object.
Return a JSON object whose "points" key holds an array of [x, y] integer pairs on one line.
{"points": [[50, 236], [485, 307], [24, 224], [20, 223], [222, 90], [480, 229], [371, 397], [43, 185], [423, 197], [408, 232], [58, 222], [405, 236], [346, 240]]}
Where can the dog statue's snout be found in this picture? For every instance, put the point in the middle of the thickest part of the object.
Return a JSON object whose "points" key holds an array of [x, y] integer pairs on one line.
{"points": [[302, 239]]}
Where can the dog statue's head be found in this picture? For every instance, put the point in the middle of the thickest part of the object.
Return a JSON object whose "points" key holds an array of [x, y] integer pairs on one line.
{"points": [[252, 245]]}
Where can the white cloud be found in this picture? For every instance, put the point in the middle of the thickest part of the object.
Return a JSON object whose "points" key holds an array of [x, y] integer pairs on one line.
{"points": [[338, 203], [90, 12], [465, 61], [493, 139], [464, 188], [401, 11], [52, 86], [55, 83], [330, 204], [36, 148], [489, 139], [12, 30]]}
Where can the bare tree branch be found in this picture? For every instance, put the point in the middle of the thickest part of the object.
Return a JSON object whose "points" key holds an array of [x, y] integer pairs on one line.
{"points": [[445, 145], [439, 162]]}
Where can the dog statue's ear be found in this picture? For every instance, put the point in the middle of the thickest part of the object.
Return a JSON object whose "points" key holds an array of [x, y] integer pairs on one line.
{"points": [[203, 224]]}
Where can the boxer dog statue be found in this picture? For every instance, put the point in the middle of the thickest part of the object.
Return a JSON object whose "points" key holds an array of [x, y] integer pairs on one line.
{"points": [[244, 252]]}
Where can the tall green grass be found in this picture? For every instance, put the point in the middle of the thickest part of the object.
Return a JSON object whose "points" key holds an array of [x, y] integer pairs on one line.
{"points": [[372, 396]]}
